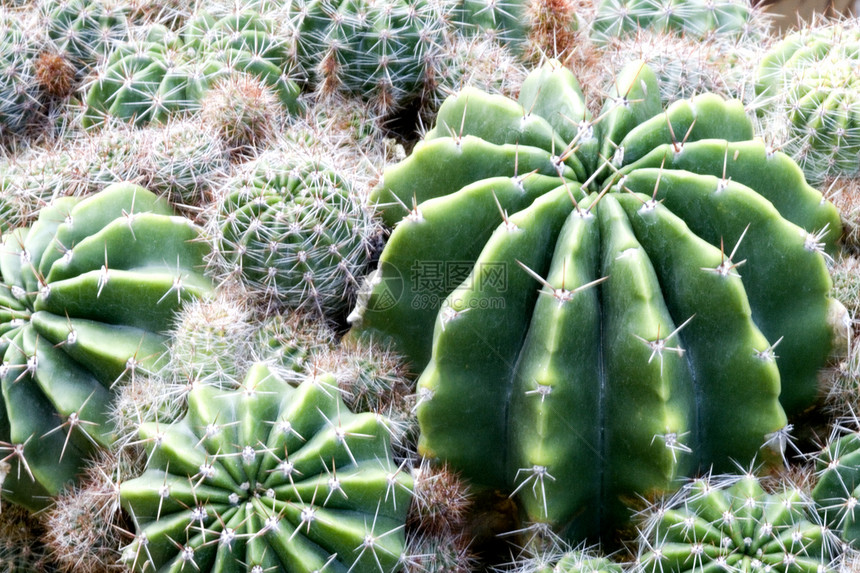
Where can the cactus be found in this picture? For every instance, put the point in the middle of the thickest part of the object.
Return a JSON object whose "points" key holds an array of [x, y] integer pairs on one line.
{"points": [[290, 342], [807, 84], [19, 102], [669, 364], [837, 492], [691, 18], [531, 28], [87, 292], [732, 523], [20, 548], [85, 30], [268, 477], [295, 230], [380, 50], [165, 73]]}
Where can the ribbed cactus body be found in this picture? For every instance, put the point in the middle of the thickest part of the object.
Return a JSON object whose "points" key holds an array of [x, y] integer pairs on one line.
{"points": [[601, 392], [808, 85], [88, 291], [382, 50], [296, 231], [268, 478], [736, 525]]}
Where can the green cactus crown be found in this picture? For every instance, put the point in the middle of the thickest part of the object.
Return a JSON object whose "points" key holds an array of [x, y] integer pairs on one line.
{"points": [[87, 293], [600, 305], [268, 478]]}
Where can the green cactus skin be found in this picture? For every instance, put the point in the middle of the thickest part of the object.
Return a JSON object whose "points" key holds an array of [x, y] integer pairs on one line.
{"points": [[692, 18], [569, 561], [86, 30], [808, 86], [168, 73], [87, 291], [268, 478], [837, 492], [295, 231], [732, 524], [666, 367], [383, 51], [505, 21]]}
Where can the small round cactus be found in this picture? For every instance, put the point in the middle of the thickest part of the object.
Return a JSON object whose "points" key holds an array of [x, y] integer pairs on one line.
{"points": [[268, 477], [732, 523], [21, 550], [291, 341], [808, 89], [296, 232], [182, 160]]}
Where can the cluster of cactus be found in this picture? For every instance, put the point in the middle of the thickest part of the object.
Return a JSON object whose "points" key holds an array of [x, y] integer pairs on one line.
{"points": [[808, 90], [671, 363], [268, 477], [732, 523], [579, 305], [166, 72], [296, 230], [87, 291]]}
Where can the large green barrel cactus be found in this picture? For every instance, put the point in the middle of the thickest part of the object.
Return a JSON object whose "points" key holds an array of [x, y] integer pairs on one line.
{"points": [[808, 88], [600, 306], [85, 30], [88, 291], [268, 478]]}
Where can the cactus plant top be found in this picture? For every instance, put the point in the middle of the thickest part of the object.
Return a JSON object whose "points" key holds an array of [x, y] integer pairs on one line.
{"points": [[88, 292], [621, 299], [268, 478]]}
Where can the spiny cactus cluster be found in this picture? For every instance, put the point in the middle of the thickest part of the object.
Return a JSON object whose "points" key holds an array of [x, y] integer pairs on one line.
{"points": [[191, 195]]}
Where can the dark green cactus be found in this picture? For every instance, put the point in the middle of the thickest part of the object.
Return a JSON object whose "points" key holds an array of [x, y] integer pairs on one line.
{"points": [[386, 52], [87, 292], [268, 478], [733, 524], [837, 493], [674, 363]]}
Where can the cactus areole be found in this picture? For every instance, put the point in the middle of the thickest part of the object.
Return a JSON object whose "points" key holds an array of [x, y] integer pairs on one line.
{"points": [[87, 293], [603, 305]]}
